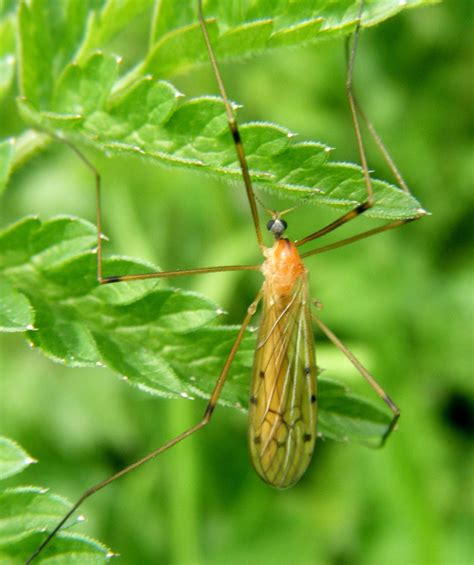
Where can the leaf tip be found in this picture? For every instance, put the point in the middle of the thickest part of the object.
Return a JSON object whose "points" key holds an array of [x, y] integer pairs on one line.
{"points": [[422, 212]]}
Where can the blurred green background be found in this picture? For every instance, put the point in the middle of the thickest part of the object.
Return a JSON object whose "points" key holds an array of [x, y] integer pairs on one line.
{"points": [[402, 301]]}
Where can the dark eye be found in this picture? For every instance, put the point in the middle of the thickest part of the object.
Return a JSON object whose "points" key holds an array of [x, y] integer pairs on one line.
{"points": [[285, 225], [270, 224]]}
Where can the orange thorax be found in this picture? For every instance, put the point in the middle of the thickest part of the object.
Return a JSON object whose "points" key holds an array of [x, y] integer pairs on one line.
{"points": [[282, 267]]}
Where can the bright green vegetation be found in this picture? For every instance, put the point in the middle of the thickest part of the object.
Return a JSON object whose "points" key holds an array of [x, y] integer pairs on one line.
{"points": [[25, 510], [398, 300]]}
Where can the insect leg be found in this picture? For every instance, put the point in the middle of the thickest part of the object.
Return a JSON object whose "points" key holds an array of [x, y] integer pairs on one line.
{"points": [[233, 126], [370, 127], [352, 105], [359, 236], [355, 109], [203, 422], [121, 278], [367, 376]]}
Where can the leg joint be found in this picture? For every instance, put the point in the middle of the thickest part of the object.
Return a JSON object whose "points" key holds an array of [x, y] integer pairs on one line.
{"points": [[235, 132], [252, 308], [208, 413], [364, 206], [108, 280]]}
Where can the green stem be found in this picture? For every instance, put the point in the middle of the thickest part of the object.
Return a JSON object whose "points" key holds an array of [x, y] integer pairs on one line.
{"points": [[183, 486]]}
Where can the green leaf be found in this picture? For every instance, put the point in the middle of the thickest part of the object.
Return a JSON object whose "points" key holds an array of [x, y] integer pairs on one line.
{"points": [[49, 34], [111, 19], [195, 134], [164, 341], [66, 549], [27, 144], [345, 417], [14, 251], [72, 91], [7, 52], [45, 243], [83, 98], [6, 158], [242, 28], [7, 49], [35, 52], [16, 313], [27, 512], [7, 73], [84, 89], [13, 459], [29, 509]]}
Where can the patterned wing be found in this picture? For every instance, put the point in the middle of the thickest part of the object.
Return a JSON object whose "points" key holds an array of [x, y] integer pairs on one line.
{"points": [[282, 429]]}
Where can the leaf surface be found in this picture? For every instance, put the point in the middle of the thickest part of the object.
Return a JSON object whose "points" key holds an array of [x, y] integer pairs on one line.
{"points": [[165, 341]]}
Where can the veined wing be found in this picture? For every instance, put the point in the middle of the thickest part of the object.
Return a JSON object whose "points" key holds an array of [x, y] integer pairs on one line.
{"points": [[282, 428]]}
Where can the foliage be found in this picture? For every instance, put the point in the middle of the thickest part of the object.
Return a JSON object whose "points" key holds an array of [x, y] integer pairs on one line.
{"points": [[72, 83], [78, 92], [158, 339], [26, 511]]}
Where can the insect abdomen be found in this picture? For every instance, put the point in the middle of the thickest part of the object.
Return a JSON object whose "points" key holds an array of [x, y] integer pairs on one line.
{"points": [[282, 414]]}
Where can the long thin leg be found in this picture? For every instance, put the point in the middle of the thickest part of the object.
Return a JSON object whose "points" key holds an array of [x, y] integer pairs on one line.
{"points": [[203, 422], [359, 236], [355, 110], [367, 376], [352, 105], [360, 144], [337, 223], [121, 278], [234, 129], [385, 153], [373, 132]]}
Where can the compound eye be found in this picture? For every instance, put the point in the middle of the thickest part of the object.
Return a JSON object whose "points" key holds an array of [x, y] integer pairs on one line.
{"points": [[270, 225], [284, 224]]}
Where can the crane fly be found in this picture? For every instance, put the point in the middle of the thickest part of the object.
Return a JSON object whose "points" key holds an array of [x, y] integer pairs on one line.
{"points": [[282, 414], [283, 393]]}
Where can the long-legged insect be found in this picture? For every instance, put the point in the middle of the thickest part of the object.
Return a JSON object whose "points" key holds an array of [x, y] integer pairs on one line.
{"points": [[283, 397]]}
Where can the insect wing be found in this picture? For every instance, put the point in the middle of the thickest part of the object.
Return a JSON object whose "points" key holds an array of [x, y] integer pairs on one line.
{"points": [[282, 428]]}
